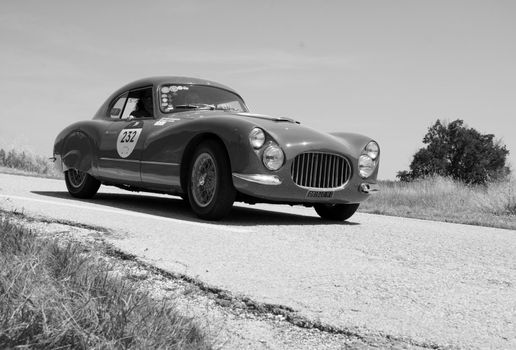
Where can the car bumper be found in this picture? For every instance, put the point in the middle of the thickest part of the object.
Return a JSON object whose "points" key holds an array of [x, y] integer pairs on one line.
{"points": [[58, 162], [281, 188], [262, 179]]}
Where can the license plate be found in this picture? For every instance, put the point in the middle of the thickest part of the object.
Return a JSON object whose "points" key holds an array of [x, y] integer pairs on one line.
{"points": [[319, 194]]}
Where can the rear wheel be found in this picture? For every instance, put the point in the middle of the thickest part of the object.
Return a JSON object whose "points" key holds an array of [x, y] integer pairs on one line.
{"points": [[81, 184], [336, 212], [210, 189]]}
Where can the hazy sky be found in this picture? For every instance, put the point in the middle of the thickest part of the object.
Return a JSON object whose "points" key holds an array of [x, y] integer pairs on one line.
{"points": [[387, 69]]}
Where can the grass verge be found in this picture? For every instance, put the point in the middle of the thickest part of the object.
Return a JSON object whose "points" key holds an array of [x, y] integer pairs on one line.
{"points": [[444, 199], [56, 296]]}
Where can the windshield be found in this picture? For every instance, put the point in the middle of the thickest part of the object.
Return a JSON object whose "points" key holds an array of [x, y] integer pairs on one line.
{"points": [[178, 97]]}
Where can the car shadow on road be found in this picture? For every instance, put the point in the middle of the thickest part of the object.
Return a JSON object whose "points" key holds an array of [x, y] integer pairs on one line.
{"points": [[175, 208]]}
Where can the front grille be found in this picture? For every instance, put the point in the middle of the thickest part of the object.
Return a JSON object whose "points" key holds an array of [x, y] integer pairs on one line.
{"points": [[320, 170]]}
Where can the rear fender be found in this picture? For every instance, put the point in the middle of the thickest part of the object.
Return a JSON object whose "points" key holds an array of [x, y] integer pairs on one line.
{"points": [[77, 152]]}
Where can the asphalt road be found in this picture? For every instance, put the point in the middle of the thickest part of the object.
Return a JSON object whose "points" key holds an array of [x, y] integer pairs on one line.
{"points": [[431, 282]]}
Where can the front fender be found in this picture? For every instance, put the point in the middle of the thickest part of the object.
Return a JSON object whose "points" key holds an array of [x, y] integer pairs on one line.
{"points": [[356, 140]]}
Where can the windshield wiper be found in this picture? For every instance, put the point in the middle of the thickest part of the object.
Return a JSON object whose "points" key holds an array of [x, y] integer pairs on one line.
{"points": [[196, 106], [229, 109]]}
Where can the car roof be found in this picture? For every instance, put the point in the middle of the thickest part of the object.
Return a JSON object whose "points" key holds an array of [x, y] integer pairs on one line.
{"points": [[156, 81], [159, 80]]}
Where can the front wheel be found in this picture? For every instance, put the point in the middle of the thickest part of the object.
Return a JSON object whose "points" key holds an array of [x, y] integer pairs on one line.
{"points": [[336, 212], [81, 184], [210, 189]]}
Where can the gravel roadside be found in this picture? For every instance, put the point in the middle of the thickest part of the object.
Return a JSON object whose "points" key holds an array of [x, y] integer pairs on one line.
{"points": [[232, 321]]}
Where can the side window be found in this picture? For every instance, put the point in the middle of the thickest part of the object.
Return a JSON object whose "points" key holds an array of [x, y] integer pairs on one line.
{"points": [[129, 107], [139, 104], [118, 107]]}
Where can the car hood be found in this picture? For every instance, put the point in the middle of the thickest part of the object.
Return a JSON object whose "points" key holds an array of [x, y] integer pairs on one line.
{"points": [[267, 117], [295, 138]]}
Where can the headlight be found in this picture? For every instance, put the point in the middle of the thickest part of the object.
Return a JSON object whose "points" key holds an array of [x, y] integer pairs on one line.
{"points": [[372, 150], [273, 157], [257, 138], [366, 165]]}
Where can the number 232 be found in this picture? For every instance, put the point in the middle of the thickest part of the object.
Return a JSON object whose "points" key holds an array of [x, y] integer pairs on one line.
{"points": [[128, 136]]}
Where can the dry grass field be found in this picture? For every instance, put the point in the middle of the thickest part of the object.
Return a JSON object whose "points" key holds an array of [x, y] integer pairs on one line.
{"points": [[56, 296], [444, 199]]}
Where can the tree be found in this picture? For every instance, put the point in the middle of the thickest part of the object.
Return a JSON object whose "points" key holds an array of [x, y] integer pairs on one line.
{"points": [[460, 152]]}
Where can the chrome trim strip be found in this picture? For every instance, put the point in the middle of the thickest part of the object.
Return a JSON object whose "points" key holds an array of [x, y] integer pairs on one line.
{"points": [[120, 160], [158, 163], [369, 188], [334, 162], [262, 179], [136, 161]]}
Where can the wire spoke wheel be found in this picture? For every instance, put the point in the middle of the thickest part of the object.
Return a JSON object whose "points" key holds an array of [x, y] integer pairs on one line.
{"points": [[204, 180], [210, 188], [80, 184], [76, 178]]}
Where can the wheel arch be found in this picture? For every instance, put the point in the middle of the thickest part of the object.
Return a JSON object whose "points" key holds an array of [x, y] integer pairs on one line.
{"points": [[78, 152], [188, 154]]}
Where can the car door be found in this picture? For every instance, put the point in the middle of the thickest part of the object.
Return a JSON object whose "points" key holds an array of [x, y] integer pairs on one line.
{"points": [[121, 146], [161, 158]]}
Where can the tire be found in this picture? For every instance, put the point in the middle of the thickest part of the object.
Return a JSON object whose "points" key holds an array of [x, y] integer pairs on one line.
{"points": [[210, 189], [81, 184], [336, 212]]}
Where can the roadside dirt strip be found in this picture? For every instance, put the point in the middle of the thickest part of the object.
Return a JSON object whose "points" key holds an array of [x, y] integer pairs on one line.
{"points": [[376, 281]]}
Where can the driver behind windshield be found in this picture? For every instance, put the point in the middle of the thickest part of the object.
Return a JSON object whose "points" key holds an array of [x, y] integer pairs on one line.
{"points": [[143, 108]]}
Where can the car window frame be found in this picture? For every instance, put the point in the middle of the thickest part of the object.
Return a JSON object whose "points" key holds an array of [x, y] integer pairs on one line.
{"points": [[128, 92], [113, 103]]}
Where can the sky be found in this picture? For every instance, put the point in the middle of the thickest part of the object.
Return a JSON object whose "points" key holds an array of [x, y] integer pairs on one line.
{"points": [[386, 69]]}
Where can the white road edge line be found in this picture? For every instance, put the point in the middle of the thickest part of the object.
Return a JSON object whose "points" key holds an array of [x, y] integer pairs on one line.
{"points": [[129, 213]]}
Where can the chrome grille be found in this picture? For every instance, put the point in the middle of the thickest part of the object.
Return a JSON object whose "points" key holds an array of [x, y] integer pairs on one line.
{"points": [[320, 170]]}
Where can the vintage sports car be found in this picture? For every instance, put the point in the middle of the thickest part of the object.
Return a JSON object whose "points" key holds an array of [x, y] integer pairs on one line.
{"points": [[196, 139]]}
